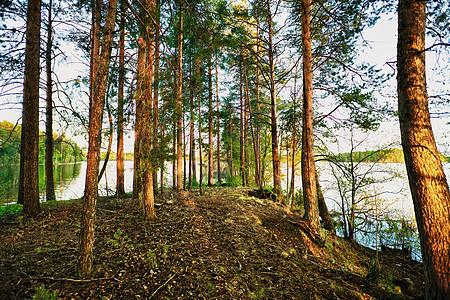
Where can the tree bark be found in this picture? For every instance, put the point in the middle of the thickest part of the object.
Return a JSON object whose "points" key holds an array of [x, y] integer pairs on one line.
{"points": [[273, 110], [210, 124], [429, 188], [178, 96], [241, 124], [85, 258], [49, 180], [230, 162], [120, 181], [149, 110], [138, 127], [219, 176], [200, 146], [308, 164], [29, 160]]}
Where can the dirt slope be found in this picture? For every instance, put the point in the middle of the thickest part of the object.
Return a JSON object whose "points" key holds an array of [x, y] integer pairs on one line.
{"points": [[223, 244]]}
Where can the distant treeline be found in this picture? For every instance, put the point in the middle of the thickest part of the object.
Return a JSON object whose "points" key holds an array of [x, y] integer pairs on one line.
{"points": [[382, 156], [64, 150]]}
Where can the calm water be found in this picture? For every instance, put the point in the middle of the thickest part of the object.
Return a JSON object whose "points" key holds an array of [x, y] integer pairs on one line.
{"points": [[69, 181]]}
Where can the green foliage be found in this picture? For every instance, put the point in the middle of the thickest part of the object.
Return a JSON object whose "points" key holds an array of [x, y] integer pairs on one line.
{"points": [[43, 294], [64, 150], [297, 200], [9, 210], [234, 181], [9, 143]]}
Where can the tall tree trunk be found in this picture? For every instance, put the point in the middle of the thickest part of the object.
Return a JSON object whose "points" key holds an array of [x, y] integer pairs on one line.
{"points": [[258, 133], [184, 153], [191, 127], [308, 164], [273, 110], [429, 188], [200, 146], [178, 95], [210, 124], [49, 181], [29, 175], [138, 127], [156, 91], [175, 161], [230, 162], [219, 175], [95, 48], [120, 181], [95, 128], [241, 124], [149, 110]]}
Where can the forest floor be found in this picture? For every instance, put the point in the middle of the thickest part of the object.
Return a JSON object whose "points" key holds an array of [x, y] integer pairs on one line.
{"points": [[223, 244]]}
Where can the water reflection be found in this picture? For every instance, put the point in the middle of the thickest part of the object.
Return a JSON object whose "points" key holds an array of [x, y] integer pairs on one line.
{"points": [[69, 181]]}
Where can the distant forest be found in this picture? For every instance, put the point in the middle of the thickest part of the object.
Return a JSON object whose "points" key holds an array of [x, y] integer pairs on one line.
{"points": [[64, 149], [382, 156]]}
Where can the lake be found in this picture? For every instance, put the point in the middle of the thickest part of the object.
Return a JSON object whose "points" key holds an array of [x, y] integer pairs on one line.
{"points": [[69, 181]]}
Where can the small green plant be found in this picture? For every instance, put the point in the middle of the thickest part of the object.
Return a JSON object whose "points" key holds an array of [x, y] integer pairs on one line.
{"points": [[41, 293], [120, 239], [297, 200], [258, 294], [151, 258], [165, 252]]}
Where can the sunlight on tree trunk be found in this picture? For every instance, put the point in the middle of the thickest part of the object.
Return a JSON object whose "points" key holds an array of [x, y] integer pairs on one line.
{"points": [[85, 258], [308, 164], [429, 188]]}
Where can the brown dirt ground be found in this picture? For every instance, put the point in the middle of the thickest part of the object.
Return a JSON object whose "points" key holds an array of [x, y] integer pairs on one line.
{"points": [[221, 245]]}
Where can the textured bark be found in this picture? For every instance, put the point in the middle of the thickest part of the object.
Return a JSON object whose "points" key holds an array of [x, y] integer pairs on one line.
{"points": [[184, 153], [29, 175], [200, 147], [178, 96], [219, 175], [230, 161], [241, 125], [210, 124], [429, 188], [120, 181], [308, 164], [137, 176], [156, 92], [95, 48], [148, 196], [258, 133], [49, 180], [95, 127], [273, 110], [148, 114], [191, 127]]}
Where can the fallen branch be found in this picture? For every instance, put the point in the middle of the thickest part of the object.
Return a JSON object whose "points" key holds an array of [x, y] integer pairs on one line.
{"points": [[75, 280], [162, 285]]}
